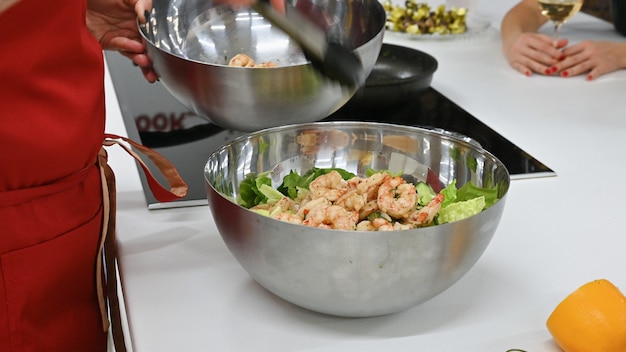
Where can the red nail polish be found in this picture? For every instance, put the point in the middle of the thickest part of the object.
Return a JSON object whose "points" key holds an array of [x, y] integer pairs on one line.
{"points": [[528, 73], [589, 77], [548, 71], [553, 69], [562, 57], [564, 74]]}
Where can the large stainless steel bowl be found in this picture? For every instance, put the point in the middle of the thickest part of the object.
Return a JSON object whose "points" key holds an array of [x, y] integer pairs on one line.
{"points": [[350, 273], [191, 41]]}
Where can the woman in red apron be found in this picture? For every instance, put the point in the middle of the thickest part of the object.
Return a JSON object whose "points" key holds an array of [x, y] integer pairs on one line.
{"points": [[52, 118], [56, 191]]}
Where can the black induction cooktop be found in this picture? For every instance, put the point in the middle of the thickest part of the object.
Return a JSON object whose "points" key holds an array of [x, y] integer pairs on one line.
{"points": [[431, 109]]}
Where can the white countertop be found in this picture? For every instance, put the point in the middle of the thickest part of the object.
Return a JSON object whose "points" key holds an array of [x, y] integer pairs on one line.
{"points": [[184, 291]]}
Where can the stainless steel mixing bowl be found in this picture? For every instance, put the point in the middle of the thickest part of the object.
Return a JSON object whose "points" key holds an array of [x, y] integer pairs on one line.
{"points": [[350, 273], [191, 41]]}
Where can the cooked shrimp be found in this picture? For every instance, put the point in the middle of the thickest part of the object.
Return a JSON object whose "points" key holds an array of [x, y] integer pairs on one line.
{"points": [[241, 60], [309, 205], [365, 225], [354, 182], [351, 200], [369, 186], [284, 204], [288, 217], [425, 215], [380, 202], [377, 224], [265, 65], [330, 186], [396, 197], [369, 207], [331, 217], [381, 224], [397, 226]]}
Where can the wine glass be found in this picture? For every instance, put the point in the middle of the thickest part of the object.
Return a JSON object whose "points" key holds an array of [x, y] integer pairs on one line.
{"points": [[559, 11]]}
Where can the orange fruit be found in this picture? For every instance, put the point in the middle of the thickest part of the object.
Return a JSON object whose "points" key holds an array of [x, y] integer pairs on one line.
{"points": [[590, 319]]}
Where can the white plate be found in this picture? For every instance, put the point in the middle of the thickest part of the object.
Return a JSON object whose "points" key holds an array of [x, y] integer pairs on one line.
{"points": [[475, 26]]}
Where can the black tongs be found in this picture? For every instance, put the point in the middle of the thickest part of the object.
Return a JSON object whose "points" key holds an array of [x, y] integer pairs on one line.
{"points": [[333, 60]]}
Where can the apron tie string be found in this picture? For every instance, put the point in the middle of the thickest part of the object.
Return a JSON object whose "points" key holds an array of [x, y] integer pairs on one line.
{"points": [[178, 187], [106, 278]]}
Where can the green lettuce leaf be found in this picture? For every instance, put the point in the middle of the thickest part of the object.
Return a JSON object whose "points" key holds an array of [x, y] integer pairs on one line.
{"points": [[271, 194], [471, 191], [461, 210], [449, 193], [249, 190]]}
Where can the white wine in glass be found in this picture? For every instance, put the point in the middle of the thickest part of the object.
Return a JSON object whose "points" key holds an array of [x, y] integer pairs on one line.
{"points": [[559, 11]]}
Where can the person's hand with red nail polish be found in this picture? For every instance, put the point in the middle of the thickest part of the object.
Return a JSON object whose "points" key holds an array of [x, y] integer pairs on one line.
{"points": [[529, 52], [593, 58], [525, 49]]}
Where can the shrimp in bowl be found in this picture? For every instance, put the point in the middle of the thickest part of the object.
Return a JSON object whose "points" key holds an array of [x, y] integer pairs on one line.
{"points": [[380, 201]]}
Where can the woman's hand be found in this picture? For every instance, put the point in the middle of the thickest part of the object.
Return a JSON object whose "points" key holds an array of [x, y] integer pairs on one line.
{"points": [[114, 24], [535, 52], [529, 51], [592, 58]]}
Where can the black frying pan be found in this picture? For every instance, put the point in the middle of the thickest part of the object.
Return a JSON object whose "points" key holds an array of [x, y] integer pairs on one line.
{"points": [[399, 73]]}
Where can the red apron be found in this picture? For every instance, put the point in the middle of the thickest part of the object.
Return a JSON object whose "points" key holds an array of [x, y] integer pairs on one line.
{"points": [[52, 118]]}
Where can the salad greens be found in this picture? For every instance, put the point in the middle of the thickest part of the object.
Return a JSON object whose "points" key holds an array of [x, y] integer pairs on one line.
{"points": [[293, 181], [459, 203], [252, 191], [257, 189]]}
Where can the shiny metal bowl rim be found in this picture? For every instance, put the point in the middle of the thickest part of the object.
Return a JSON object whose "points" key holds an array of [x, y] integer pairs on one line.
{"points": [[440, 133], [143, 28]]}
